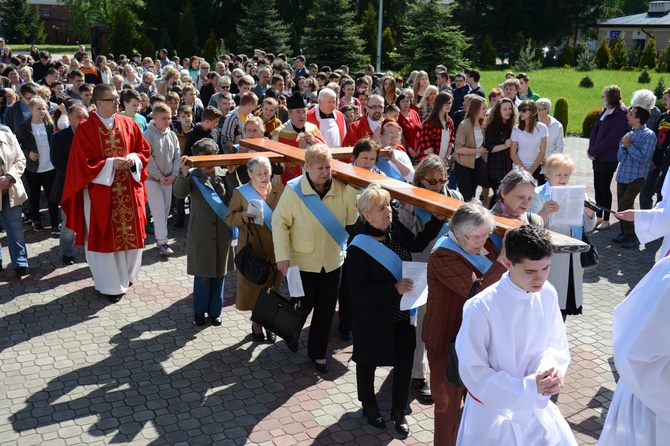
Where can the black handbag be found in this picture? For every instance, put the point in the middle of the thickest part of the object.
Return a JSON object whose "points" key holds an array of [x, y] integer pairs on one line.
{"points": [[256, 269], [278, 314], [453, 376], [590, 258]]}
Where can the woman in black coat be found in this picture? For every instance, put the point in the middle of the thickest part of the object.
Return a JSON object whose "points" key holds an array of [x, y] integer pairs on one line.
{"points": [[383, 334]]}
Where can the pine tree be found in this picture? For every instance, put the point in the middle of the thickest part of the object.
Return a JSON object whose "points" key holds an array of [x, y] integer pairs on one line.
{"points": [[22, 22], [648, 57], [261, 27], [166, 42], [619, 55], [211, 51], [188, 37], [430, 39], [121, 36], [331, 35], [586, 61], [487, 53], [145, 46], [369, 31], [567, 56], [527, 60], [664, 60], [603, 54], [519, 45], [388, 45]]}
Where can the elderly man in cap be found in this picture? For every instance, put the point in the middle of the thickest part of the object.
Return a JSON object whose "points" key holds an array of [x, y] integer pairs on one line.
{"points": [[296, 132]]}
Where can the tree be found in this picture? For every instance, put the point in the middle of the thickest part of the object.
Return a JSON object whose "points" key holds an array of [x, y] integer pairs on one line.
{"points": [[121, 37], [664, 60], [487, 53], [329, 41], [211, 51], [619, 55], [84, 13], [432, 39], [603, 54], [22, 22], [145, 47], [567, 56], [586, 61], [188, 38], [166, 42], [369, 31], [388, 46], [527, 60], [261, 27], [648, 57]]}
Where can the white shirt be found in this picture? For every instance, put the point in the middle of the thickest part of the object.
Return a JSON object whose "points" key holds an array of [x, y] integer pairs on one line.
{"points": [[507, 336], [42, 141], [529, 143], [329, 130], [554, 139]]}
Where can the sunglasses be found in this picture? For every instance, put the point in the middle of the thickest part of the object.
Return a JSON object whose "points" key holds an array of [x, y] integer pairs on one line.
{"points": [[524, 110], [435, 182]]}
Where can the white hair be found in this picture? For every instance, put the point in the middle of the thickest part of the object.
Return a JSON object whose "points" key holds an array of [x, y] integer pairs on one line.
{"points": [[326, 92], [645, 98]]}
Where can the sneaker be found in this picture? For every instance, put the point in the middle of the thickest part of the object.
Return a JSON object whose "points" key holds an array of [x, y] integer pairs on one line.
{"points": [[149, 227], [630, 243], [37, 226], [620, 238], [165, 250], [27, 220], [55, 231]]}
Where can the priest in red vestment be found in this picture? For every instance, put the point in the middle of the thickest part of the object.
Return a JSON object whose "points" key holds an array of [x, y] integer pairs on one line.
{"points": [[103, 197], [331, 122], [369, 124]]}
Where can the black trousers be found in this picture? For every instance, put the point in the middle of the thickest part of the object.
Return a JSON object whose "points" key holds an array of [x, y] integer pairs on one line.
{"points": [[405, 342], [601, 183], [346, 312], [37, 181], [321, 291], [468, 179]]}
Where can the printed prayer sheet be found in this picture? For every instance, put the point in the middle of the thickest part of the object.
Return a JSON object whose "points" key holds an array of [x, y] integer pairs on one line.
{"points": [[419, 294], [570, 200]]}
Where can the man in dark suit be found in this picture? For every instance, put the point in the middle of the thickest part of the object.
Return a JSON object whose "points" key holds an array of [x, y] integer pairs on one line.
{"points": [[60, 152], [264, 77]]}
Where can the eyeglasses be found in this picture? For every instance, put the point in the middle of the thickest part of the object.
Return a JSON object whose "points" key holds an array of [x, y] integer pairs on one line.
{"points": [[477, 238], [392, 135], [375, 107], [225, 87], [435, 182], [114, 99], [524, 110]]}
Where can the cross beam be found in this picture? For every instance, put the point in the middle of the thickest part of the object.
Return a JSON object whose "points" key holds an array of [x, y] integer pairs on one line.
{"points": [[438, 204]]}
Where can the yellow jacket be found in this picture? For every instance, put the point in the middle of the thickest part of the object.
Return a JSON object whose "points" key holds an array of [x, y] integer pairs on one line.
{"points": [[299, 237]]}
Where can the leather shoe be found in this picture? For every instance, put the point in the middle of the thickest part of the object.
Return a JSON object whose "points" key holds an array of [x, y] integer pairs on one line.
{"points": [[257, 337], [321, 367], [293, 346], [21, 271], [68, 260], [422, 388], [271, 337], [199, 319], [114, 298], [401, 424], [216, 321], [371, 412]]}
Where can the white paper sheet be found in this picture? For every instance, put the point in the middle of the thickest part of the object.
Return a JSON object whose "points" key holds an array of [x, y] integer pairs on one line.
{"points": [[417, 271], [294, 282], [256, 209], [570, 200]]}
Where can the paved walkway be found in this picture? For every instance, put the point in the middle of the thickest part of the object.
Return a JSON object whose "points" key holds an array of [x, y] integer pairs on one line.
{"points": [[75, 369]]}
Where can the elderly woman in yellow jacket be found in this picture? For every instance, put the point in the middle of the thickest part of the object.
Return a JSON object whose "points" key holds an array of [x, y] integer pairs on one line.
{"points": [[308, 232]]}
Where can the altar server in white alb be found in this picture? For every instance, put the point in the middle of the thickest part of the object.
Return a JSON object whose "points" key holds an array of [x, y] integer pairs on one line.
{"points": [[513, 352], [640, 410]]}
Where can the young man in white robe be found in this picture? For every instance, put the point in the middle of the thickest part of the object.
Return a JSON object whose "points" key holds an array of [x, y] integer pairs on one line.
{"points": [[640, 410], [513, 352]]}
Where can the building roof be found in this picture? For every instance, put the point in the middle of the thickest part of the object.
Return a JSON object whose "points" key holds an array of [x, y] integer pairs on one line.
{"points": [[643, 19]]}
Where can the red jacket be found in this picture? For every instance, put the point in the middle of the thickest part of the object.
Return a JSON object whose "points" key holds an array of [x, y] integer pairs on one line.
{"points": [[357, 130], [339, 117]]}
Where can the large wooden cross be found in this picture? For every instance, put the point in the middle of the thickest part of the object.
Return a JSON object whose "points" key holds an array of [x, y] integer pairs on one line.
{"points": [[433, 202]]}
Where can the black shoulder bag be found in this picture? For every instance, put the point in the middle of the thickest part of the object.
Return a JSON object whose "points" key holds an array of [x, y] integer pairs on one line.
{"points": [[256, 269]]}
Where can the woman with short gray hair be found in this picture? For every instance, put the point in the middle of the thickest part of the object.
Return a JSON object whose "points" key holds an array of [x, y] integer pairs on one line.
{"points": [[460, 259], [257, 231], [516, 193]]}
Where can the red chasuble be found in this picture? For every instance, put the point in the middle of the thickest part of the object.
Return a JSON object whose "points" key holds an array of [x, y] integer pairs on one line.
{"points": [[117, 211], [286, 135], [357, 130]]}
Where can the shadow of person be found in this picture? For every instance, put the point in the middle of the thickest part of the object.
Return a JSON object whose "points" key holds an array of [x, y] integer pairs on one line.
{"points": [[149, 378]]}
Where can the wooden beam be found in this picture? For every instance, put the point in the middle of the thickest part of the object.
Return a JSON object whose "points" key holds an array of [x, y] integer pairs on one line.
{"points": [[438, 204], [232, 159]]}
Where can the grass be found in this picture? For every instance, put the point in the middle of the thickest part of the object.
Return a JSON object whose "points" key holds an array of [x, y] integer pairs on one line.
{"points": [[553, 83], [54, 49]]}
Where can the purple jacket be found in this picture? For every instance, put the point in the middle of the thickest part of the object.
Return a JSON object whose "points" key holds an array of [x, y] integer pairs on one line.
{"points": [[606, 134]]}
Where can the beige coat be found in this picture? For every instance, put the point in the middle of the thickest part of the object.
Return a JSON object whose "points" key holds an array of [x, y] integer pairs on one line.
{"points": [[465, 137], [13, 163], [247, 292]]}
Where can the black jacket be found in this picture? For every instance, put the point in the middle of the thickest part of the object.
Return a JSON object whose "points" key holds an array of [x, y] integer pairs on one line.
{"points": [[60, 151], [24, 134]]}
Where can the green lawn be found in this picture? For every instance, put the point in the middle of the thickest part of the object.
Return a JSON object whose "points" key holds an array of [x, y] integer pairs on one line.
{"points": [[564, 82], [55, 49]]}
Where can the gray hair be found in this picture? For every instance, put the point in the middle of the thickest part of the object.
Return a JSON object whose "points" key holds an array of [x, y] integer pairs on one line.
{"points": [[327, 92], [516, 177], [469, 217], [371, 197], [224, 80], [238, 71], [645, 98], [544, 103], [256, 160]]}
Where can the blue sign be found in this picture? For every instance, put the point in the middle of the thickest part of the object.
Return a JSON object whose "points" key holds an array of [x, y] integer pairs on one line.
{"points": [[615, 34]]}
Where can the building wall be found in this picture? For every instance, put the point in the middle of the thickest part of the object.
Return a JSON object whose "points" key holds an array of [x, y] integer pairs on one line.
{"points": [[635, 36]]}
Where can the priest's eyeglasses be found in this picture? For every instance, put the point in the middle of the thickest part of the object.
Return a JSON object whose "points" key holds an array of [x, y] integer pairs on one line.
{"points": [[114, 99]]}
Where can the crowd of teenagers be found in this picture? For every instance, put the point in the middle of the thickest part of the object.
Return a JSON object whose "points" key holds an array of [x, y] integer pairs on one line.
{"points": [[109, 139]]}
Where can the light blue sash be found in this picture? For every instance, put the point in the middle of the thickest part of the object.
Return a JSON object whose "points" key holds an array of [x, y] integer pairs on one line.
{"points": [[249, 193], [378, 251], [388, 170], [425, 217], [322, 213], [217, 205], [545, 191], [478, 261]]}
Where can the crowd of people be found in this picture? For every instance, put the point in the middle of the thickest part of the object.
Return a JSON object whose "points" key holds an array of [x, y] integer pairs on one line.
{"points": [[117, 176]]}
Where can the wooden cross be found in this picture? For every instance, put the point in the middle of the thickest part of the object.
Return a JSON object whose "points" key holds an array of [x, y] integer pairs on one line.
{"points": [[438, 204]]}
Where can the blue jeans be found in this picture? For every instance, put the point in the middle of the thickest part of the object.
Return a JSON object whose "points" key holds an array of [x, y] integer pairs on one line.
{"points": [[208, 295], [12, 218], [67, 238]]}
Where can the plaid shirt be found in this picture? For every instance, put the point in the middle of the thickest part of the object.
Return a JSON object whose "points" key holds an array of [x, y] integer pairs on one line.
{"points": [[431, 136], [635, 160]]}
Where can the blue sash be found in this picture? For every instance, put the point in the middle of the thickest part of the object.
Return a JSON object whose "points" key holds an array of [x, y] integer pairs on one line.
{"points": [[425, 217], [388, 170], [389, 259], [478, 261], [217, 205], [322, 213], [545, 191], [249, 193]]}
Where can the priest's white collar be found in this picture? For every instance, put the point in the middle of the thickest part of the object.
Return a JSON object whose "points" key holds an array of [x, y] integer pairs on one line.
{"points": [[107, 122]]}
